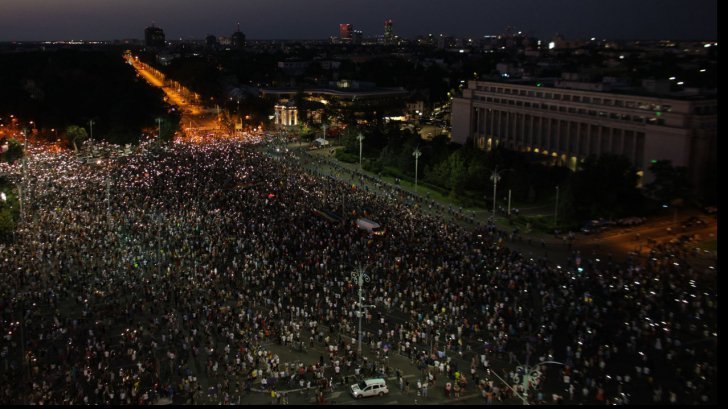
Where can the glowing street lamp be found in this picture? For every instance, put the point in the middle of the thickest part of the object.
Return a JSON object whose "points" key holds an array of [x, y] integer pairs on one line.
{"points": [[159, 134], [495, 176], [360, 138], [361, 277], [417, 155]]}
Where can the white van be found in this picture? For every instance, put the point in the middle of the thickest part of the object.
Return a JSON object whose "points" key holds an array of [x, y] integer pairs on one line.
{"points": [[370, 226], [369, 387]]}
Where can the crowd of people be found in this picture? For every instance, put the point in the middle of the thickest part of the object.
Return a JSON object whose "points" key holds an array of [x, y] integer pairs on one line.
{"points": [[171, 271]]}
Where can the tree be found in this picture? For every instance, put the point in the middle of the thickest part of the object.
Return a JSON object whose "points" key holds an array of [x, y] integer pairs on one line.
{"points": [[75, 135], [671, 182], [9, 209], [15, 151], [604, 186]]}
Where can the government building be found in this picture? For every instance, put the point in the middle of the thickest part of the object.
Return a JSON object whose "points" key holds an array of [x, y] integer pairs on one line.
{"points": [[566, 125]]}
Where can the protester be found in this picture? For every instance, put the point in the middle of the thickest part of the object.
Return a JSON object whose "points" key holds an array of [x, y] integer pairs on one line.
{"points": [[131, 277]]}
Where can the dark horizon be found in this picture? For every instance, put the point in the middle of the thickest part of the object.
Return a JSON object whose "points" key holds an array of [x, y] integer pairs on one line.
{"points": [[106, 20]]}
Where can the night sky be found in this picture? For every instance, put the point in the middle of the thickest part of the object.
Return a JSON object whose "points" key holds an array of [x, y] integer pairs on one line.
{"points": [[28, 20]]}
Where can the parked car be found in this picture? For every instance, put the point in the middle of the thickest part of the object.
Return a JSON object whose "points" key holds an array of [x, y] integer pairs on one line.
{"points": [[369, 387]]}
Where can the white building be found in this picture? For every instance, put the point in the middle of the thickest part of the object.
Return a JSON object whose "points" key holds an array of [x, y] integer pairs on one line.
{"points": [[286, 114], [569, 125]]}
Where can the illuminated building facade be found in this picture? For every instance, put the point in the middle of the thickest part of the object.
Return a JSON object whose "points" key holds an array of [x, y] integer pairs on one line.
{"points": [[286, 113], [568, 125]]}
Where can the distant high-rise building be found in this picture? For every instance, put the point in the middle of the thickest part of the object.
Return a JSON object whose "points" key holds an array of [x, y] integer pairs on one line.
{"points": [[358, 36], [237, 40], [388, 31], [345, 32], [153, 36], [211, 41]]}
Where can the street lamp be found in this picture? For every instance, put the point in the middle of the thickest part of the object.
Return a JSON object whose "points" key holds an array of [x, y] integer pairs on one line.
{"points": [[159, 134], [495, 176], [361, 278], [556, 205], [91, 129], [360, 138], [417, 155]]}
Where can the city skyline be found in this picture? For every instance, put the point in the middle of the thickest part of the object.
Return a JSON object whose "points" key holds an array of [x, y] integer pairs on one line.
{"points": [[54, 20]]}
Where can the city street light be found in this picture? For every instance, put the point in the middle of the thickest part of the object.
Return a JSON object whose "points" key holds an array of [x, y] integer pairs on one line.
{"points": [[360, 138], [159, 135], [417, 155], [556, 205], [361, 278], [495, 176]]}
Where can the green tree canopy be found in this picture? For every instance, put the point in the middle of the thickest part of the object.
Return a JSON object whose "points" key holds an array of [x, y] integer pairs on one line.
{"points": [[671, 182], [15, 151], [75, 135], [604, 186]]}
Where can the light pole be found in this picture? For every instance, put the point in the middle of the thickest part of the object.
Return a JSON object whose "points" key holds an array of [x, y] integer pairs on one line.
{"points": [[159, 134], [108, 197], [417, 155], [556, 205], [360, 138], [25, 167], [361, 277], [515, 392], [509, 202], [91, 130], [495, 177]]}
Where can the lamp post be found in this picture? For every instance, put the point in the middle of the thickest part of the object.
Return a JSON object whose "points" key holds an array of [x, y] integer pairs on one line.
{"points": [[556, 205], [159, 134], [417, 155], [25, 167], [91, 130], [495, 177], [509, 202], [360, 138], [361, 277], [108, 197]]}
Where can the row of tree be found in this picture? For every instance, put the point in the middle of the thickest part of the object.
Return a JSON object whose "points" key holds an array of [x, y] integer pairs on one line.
{"points": [[603, 186]]}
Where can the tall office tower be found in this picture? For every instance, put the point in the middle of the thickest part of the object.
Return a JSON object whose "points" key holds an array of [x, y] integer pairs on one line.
{"points": [[388, 31], [345, 32], [237, 40], [154, 36]]}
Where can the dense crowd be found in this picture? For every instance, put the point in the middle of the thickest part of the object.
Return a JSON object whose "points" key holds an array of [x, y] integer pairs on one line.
{"points": [[131, 277]]}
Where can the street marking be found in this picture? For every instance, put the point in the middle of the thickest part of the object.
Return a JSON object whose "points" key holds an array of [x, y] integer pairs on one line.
{"points": [[392, 378]]}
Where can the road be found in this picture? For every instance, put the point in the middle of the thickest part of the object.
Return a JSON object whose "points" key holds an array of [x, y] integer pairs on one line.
{"points": [[198, 123]]}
